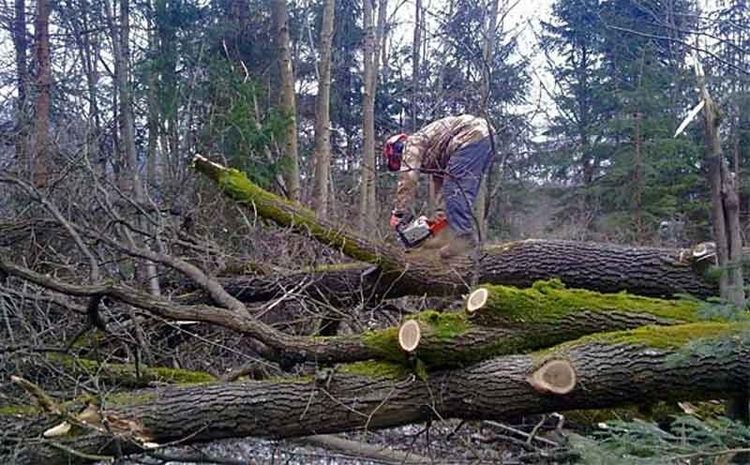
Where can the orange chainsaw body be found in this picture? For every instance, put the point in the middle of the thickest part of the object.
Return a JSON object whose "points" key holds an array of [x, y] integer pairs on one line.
{"points": [[415, 233]]}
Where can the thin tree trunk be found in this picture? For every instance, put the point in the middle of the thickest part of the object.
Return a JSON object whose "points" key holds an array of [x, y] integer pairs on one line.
{"points": [[637, 179], [131, 178], [366, 215], [415, 52], [290, 160], [638, 160], [368, 206], [480, 209], [40, 150], [89, 66], [322, 114], [153, 115], [727, 228], [20, 43], [380, 35]]}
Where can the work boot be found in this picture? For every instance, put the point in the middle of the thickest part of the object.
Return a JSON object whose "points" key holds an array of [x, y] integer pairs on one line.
{"points": [[459, 245]]}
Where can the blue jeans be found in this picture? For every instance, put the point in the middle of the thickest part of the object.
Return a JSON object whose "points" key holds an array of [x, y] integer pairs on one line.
{"points": [[461, 184]]}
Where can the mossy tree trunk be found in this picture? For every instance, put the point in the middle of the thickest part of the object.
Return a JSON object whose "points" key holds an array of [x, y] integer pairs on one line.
{"points": [[649, 271], [602, 372]]}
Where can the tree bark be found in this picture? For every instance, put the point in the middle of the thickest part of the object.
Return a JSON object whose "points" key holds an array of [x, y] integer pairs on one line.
{"points": [[367, 213], [726, 227], [80, 22], [290, 157], [20, 44], [374, 31], [488, 42], [131, 178], [322, 114], [650, 271], [615, 370], [416, 44], [43, 79]]}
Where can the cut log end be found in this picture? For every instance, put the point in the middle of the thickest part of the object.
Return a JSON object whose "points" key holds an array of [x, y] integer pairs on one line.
{"points": [[409, 335], [556, 377], [477, 300]]}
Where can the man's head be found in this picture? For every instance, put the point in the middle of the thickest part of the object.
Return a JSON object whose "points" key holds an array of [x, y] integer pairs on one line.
{"points": [[394, 148]]}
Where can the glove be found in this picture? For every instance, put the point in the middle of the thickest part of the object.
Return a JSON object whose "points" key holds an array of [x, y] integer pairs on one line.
{"points": [[396, 218]]}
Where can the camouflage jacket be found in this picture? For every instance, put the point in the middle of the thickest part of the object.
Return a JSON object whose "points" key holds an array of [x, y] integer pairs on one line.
{"points": [[430, 148]]}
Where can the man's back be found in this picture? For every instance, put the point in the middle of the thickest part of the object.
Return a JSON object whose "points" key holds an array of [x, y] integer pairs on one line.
{"points": [[432, 146]]}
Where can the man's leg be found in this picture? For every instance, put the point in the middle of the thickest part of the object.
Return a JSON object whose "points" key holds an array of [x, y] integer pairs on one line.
{"points": [[460, 188], [437, 187], [443, 237]]}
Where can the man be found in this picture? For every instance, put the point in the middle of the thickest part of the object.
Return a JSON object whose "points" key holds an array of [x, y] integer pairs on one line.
{"points": [[456, 151]]}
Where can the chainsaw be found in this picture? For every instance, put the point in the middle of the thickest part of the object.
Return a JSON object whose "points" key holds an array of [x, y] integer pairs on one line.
{"points": [[413, 234]]}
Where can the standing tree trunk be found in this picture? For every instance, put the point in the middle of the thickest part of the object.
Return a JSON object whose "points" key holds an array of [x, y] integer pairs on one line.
{"points": [[417, 43], [39, 152], [637, 178], [373, 39], [322, 114], [289, 158], [638, 158], [20, 45], [88, 62], [726, 226], [153, 111], [131, 178], [367, 213], [480, 209], [166, 118]]}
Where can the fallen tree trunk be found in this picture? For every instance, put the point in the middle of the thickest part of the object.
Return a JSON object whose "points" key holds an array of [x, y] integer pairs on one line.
{"points": [[649, 271], [524, 319], [699, 361]]}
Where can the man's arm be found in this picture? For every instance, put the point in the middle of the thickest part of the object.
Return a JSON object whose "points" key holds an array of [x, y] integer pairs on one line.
{"points": [[408, 181]]}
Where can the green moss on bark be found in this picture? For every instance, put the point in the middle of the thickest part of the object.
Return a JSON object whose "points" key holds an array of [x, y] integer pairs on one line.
{"points": [[669, 337], [124, 399], [127, 375], [375, 369], [236, 185], [676, 338], [444, 325], [19, 410], [550, 301], [530, 319], [440, 325]]}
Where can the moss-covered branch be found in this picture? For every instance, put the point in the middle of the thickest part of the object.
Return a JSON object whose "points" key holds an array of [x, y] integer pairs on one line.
{"points": [[237, 186], [687, 362], [649, 271], [127, 375]]}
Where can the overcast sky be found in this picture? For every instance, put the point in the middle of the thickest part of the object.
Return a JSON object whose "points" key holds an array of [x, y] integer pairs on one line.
{"points": [[522, 18]]}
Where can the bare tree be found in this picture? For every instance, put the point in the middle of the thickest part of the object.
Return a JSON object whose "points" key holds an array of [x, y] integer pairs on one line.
{"points": [[488, 48], [130, 179], [40, 139], [322, 114], [726, 223], [20, 44]]}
